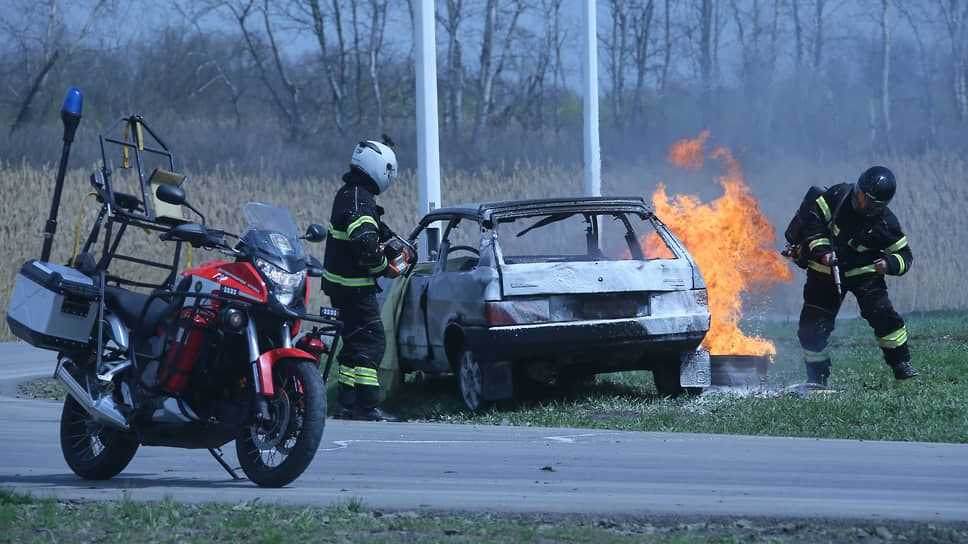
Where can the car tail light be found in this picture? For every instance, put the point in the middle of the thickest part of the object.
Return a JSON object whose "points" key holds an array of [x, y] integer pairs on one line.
{"points": [[518, 312]]}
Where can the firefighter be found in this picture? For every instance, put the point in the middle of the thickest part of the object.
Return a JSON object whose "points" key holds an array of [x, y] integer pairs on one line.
{"points": [[851, 230], [354, 259]]}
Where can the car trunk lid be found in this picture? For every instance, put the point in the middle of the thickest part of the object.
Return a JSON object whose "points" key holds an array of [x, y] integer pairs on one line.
{"points": [[595, 277]]}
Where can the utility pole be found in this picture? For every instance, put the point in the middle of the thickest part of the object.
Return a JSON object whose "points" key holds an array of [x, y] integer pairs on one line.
{"points": [[593, 165], [428, 140]]}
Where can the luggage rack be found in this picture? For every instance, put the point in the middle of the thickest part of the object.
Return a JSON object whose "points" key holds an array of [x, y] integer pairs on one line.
{"points": [[139, 146]]}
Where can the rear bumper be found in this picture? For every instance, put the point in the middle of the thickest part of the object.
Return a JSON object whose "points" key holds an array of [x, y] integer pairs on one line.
{"points": [[609, 344]]}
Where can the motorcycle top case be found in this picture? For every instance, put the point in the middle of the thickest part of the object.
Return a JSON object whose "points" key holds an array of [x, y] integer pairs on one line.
{"points": [[53, 306]]}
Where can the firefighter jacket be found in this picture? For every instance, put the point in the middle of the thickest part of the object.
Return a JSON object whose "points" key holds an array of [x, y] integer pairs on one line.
{"points": [[354, 257], [858, 240]]}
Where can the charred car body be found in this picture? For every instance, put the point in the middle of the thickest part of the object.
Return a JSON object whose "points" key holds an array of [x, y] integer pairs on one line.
{"points": [[549, 290]]}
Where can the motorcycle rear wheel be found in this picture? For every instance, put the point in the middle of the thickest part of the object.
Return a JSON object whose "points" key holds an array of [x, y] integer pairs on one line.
{"points": [[274, 453], [93, 450]]}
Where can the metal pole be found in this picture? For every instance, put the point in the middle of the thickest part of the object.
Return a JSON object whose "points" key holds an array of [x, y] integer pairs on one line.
{"points": [[593, 165], [71, 116], [428, 143]]}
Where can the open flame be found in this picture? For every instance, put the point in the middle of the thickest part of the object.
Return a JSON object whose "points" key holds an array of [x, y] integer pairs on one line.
{"points": [[731, 241]]}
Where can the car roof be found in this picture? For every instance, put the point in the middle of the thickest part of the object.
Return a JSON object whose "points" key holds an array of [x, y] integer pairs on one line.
{"points": [[513, 208]]}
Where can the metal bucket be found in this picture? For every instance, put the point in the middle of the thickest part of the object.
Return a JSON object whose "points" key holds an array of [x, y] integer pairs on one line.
{"points": [[738, 370]]}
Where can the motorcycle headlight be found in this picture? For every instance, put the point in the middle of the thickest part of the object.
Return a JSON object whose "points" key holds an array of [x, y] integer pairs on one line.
{"points": [[284, 285]]}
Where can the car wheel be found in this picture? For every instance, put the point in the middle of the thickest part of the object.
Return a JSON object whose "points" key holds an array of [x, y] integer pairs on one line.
{"points": [[667, 381], [471, 382]]}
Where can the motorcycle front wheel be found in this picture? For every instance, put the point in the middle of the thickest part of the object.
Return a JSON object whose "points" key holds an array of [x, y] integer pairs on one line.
{"points": [[276, 451], [93, 450]]}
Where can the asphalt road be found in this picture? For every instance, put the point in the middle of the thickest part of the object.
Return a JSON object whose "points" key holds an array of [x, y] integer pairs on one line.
{"points": [[427, 466]]}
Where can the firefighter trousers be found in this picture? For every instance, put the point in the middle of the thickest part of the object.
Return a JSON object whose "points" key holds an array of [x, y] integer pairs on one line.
{"points": [[821, 304], [364, 342]]}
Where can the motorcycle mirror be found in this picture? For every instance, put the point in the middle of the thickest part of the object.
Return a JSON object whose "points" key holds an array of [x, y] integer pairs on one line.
{"points": [[171, 194], [315, 233]]}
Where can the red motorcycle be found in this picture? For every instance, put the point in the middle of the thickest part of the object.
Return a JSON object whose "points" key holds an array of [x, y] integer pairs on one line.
{"points": [[210, 356]]}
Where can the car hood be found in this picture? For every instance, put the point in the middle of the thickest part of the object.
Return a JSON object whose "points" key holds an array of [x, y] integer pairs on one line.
{"points": [[595, 277]]}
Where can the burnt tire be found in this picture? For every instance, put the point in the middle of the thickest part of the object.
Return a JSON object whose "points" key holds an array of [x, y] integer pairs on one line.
{"points": [[470, 382], [93, 450], [273, 453], [667, 381]]}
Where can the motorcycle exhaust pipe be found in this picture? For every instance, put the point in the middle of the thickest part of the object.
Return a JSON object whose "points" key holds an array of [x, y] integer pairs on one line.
{"points": [[103, 409]]}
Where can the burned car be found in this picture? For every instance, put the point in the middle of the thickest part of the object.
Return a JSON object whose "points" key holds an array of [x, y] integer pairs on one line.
{"points": [[548, 290]]}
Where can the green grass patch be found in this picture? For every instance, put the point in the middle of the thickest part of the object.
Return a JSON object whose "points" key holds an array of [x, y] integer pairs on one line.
{"points": [[24, 519], [866, 402]]}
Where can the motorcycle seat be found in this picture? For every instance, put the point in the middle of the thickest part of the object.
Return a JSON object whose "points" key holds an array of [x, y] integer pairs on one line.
{"points": [[128, 306]]}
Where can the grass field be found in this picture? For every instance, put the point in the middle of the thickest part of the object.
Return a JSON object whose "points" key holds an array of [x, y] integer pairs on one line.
{"points": [[865, 401], [25, 519]]}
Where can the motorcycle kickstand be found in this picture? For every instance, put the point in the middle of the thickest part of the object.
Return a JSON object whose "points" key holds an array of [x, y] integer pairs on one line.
{"points": [[217, 454]]}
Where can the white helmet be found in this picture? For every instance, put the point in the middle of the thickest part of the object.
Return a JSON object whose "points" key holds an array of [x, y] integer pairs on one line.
{"points": [[377, 161]]}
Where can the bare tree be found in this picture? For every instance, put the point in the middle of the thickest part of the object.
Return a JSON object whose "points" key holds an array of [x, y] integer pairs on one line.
{"points": [[706, 47], [454, 85], [955, 14], [50, 54], [379, 21], [332, 62], [798, 34], [617, 52], [925, 96], [642, 33], [886, 74], [818, 41], [272, 71], [667, 54], [191, 13], [493, 63]]}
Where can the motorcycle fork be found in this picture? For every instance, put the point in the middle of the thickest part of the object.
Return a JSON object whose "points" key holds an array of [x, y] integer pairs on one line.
{"points": [[262, 373]]}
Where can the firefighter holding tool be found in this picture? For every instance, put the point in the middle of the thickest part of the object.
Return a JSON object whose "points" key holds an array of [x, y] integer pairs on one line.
{"points": [[357, 253], [848, 230]]}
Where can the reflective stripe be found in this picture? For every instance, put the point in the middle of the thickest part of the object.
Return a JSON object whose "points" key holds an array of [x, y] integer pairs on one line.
{"points": [[359, 222], [824, 208], [347, 375], [836, 230], [366, 376], [349, 282], [337, 234], [900, 262], [897, 246], [345, 235], [860, 270], [822, 268], [893, 340], [377, 270], [819, 242], [816, 356]]}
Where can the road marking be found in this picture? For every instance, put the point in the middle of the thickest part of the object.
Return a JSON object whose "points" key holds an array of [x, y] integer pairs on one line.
{"points": [[569, 438], [343, 444]]}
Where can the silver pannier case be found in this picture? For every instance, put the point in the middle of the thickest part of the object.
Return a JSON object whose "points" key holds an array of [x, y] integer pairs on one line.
{"points": [[53, 306]]}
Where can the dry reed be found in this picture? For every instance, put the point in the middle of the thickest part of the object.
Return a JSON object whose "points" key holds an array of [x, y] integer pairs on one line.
{"points": [[929, 195]]}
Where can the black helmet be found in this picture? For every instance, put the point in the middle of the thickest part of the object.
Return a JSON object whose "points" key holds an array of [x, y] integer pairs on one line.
{"points": [[877, 185]]}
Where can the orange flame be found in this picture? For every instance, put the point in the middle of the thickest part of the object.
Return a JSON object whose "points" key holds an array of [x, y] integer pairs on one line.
{"points": [[731, 241]]}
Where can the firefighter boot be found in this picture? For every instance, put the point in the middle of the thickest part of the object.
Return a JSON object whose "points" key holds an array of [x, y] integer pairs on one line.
{"points": [[367, 397], [818, 373], [346, 395], [903, 370]]}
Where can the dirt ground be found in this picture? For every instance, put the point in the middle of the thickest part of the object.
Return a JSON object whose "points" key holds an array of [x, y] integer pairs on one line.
{"points": [[759, 529]]}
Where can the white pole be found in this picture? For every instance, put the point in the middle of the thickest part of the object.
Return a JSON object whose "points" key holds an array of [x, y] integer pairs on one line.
{"points": [[593, 165], [428, 152]]}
